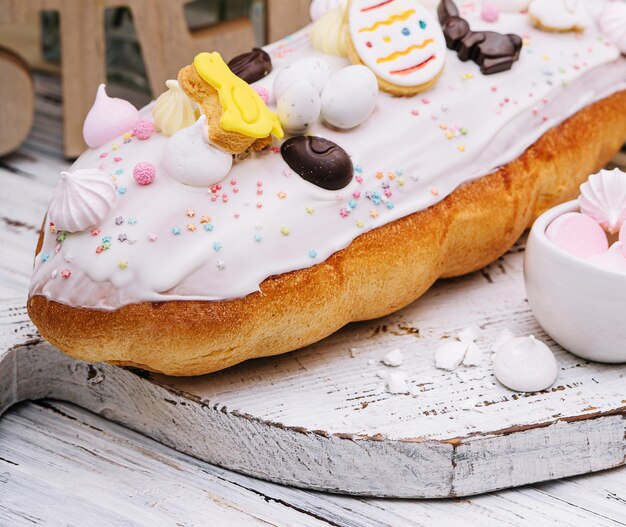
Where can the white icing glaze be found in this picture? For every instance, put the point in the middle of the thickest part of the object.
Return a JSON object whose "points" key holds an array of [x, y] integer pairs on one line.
{"points": [[400, 41], [560, 15], [320, 7], [108, 118], [349, 97], [189, 158], [329, 33], [525, 364], [173, 110], [603, 197], [511, 6], [557, 75], [312, 69], [81, 199], [612, 23], [298, 106]]}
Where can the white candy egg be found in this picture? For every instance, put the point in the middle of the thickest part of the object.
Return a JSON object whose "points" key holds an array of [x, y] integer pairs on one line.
{"points": [[525, 364], [312, 69], [298, 106], [349, 97]]}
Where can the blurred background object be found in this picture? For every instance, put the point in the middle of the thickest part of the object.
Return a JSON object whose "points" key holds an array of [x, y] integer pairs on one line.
{"points": [[133, 44]]}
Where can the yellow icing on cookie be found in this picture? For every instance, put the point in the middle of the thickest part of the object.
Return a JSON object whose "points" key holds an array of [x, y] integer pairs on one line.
{"points": [[243, 110], [391, 20]]}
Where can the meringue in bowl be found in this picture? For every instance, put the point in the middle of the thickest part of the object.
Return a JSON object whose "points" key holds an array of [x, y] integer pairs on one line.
{"points": [[579, 304]]}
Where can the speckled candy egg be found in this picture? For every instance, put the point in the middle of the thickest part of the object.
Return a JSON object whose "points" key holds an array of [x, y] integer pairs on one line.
{"points": [[349, 97], [298, 106], [312, 69]]}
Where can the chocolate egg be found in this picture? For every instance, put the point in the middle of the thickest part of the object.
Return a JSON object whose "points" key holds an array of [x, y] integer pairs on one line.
{"points": [[318, 161], [349, 97], [298, 106], [251, 66]]}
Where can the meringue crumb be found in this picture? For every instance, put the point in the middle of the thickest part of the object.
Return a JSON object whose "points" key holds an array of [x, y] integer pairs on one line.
{"points": [[449, 355], [473, 355], [393, 358], [397, 383]]}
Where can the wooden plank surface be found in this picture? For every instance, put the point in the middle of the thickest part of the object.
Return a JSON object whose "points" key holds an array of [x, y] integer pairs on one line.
{"points": [[573, 502]]}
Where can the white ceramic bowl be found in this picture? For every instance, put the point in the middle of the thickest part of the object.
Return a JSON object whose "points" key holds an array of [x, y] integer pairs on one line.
{"points": [[582, 307]]}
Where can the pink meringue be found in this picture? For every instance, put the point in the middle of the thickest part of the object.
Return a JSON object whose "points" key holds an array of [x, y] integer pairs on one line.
{"points": [[108, 118], [578, 235], [612, 260], [490, 12], [81, 199], [603, 198]]}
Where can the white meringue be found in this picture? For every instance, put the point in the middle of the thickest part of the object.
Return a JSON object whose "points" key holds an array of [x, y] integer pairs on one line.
{"points": [[525, 364], [329, 33], [189, 158], [560, 15], [81, 199], [320, 7], [612, 23], [173, 110], [603, 198]]}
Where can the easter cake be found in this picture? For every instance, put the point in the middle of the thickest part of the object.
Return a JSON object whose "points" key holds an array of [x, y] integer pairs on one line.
{"points": [[259, 205]]}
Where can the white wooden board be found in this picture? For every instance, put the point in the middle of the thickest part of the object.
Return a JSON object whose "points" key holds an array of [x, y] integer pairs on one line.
{"points": [[321, 417]]}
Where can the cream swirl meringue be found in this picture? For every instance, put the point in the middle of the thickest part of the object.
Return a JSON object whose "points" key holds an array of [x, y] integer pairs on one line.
{"points": [[603, 198], [190, 159], [173, 110], [329, 33], [612, 23], [81, 199]]}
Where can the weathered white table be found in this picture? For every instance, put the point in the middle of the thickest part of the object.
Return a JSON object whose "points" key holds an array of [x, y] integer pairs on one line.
{"points": [[61, 464]]}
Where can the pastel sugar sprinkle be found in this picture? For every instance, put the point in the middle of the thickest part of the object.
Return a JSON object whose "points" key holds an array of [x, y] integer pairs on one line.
{"points": [[217, 246], [176, 231], [313, 253]]}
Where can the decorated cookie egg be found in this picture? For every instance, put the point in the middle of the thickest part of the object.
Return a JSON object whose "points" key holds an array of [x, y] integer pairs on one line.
{"points": [[399, 41], [298, 106], [349, 97], [559, 15], [312, 69]]}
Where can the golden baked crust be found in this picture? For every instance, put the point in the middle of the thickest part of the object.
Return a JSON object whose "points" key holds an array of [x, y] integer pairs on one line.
{"points": [[380, 272]]}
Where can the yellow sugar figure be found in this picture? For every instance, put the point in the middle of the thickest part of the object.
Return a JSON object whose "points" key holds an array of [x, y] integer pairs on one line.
{"points": [[243, 110]]}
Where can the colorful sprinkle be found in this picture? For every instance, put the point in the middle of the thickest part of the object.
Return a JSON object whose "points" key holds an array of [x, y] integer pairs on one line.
{"points": [[122, 238], [176, 231], [313, 253], [191, 227], [190, 213], [45, 257], [131, 221], [217, 246], [204, 218], [123, 264], [152, 237], [66, 273], [208, 227], [258, 237], [285, 231], [309, 210], [220, 264]]}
